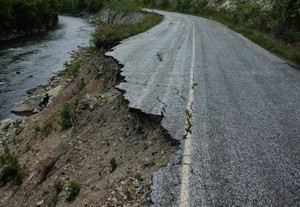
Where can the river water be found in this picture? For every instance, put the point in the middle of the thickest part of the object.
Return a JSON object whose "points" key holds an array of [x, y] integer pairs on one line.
{"points": [[31, 61]]}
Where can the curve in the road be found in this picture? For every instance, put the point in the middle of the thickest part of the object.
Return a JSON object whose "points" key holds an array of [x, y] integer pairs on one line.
{"points": [[245, 140]]}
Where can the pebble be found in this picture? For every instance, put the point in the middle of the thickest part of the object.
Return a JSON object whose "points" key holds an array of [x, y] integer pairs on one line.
{"points": [[40, 203]]}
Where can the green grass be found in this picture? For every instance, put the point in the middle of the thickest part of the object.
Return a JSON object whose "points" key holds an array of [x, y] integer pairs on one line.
{"points": [[108, 34], [71, 70], [264, 39], [243, 20]]}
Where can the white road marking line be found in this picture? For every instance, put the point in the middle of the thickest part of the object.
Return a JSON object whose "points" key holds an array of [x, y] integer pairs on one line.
{"points": [[186, 160]]}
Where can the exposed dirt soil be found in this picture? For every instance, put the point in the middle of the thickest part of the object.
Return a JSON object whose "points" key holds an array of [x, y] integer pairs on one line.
{"points": [[110, 151]]}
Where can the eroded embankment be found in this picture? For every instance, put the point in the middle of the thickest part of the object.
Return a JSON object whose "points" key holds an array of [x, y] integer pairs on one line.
{"points": [[110, 151]]}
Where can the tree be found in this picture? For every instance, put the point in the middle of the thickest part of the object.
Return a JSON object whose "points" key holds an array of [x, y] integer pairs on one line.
{"points": [[120, 8]]}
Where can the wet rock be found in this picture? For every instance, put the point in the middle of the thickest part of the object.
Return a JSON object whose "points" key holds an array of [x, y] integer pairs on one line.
{"points": [[27, 107]]}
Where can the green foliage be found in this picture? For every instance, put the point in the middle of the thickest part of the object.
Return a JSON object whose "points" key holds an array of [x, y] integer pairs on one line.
{"points": [[103, 96], [71, 70], [274, 25], [47, 129], [97, 70], [120, 8], [113, 164], [159, 56], [11, 169], [107, 34], [58, 187], [137, 175], [73, 191], [76, 6], [66, 114], [27, 15]]}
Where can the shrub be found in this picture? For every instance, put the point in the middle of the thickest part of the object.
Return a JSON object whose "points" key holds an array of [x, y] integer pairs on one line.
{"points": [[137, 175], [47, 129], [10, 168], [73, 191], [66, 116], [58, 186], [113, 164]]}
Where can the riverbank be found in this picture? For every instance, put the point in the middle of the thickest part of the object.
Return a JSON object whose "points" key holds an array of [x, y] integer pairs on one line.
{"points": [[87, 140], [30, 61]]}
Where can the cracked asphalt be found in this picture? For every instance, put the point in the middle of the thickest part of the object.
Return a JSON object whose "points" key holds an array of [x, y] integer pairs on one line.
{"points": [[245, 140]]}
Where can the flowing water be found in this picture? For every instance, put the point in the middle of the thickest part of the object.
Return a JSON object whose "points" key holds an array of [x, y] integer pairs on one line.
{"points": [[31, 61]]}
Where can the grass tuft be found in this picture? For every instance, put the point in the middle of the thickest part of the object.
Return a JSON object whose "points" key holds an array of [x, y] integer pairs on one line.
{"points": [[71, 70], [73, 190]]}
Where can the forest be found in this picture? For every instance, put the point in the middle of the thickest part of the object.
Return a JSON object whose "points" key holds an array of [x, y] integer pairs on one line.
{"points": [[24, 15]]}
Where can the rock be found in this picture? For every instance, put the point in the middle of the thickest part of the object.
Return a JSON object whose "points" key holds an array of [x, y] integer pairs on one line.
{"points": [[31, 91], [18, 122], [35, 111], [26, 107], [5, 124], [40, 203], [55, 91], [7, 196], [18, 72]]}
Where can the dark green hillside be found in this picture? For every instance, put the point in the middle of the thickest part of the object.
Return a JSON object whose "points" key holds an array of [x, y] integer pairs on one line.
{"points": [[27, 15]]}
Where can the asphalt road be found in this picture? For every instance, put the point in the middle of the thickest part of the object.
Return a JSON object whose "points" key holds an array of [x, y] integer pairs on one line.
{"points": [[243, 105]]}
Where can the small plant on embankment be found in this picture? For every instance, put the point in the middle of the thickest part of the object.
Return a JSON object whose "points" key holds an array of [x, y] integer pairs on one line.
{"points": [[67, 113], [113, 164], [71, 70], [66, 116], [73, 190], [11, 169]]}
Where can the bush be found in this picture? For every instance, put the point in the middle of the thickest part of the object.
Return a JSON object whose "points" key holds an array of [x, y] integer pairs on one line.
{"points": [[47, 129], [58, 186], [73, 191], [113, 164], [66, 116], [10, 168]]}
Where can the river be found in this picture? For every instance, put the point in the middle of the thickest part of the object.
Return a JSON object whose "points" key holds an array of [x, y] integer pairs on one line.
{"points": [[31, 61]]}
